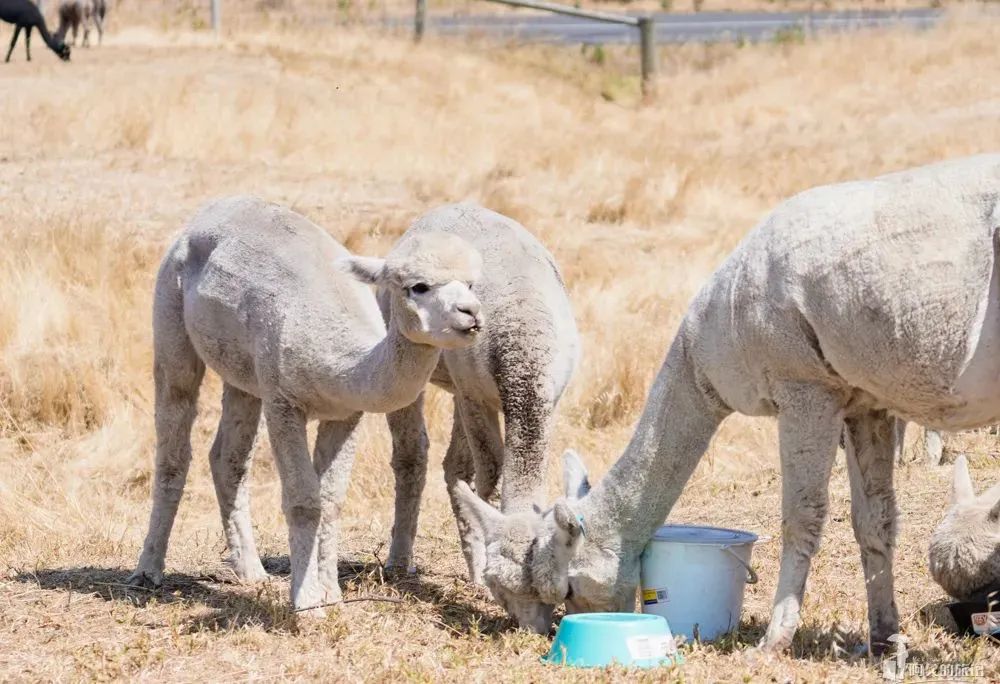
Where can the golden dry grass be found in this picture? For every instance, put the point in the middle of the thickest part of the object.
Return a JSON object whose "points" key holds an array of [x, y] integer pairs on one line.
{"points": [[102, 160]]}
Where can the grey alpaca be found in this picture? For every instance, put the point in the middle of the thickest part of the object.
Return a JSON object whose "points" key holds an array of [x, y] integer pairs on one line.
{"points": [[74, 13], [274, 305], [518, 367], [965, 548], [849, 308]]}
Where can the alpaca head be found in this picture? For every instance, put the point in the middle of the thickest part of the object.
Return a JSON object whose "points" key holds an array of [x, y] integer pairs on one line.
{"points": [[965, 547], [534, 561], [429, 279], [527, 555], [62, 49]]}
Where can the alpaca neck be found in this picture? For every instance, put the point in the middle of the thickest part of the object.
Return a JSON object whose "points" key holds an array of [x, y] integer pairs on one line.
{"points": [[52, 41], [60, 35], [390, 375], [635, 497]]}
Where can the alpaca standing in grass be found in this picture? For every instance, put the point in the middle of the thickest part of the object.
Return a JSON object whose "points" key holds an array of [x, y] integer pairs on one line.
{"points": [[965, 547], [267, 300], [849, 306], [74, 13], [518, 367], [24, 14]]}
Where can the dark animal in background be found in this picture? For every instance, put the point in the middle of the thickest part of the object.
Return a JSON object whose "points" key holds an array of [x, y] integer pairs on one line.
{"points": [[24, 14], [74, 13]]}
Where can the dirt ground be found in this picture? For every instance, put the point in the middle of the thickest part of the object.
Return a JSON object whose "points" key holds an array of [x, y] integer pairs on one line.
{"points": [[104, 158]]}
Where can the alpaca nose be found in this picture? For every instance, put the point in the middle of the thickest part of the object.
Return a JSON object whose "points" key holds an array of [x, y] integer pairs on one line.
{"points": [[470, 307]]}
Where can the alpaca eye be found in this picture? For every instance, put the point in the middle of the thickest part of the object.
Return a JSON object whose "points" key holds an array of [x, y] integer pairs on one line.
{"points": [[419, 288]]}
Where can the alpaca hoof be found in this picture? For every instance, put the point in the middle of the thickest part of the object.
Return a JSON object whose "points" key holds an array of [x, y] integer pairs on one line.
{"points": [[145, 579], [249, 572], [757, 655], [311, 615], [775, 644], [878, 648]]}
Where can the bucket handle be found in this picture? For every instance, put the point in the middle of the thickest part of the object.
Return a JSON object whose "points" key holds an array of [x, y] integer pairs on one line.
{"points": [[751, 575]]}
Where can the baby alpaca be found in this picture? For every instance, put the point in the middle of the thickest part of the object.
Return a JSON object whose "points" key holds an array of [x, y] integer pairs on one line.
{"points": [[273, 304], [965, 547], [518, 368]]}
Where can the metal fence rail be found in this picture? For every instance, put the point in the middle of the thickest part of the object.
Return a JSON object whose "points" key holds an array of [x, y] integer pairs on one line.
{"points": [[646, 26]]}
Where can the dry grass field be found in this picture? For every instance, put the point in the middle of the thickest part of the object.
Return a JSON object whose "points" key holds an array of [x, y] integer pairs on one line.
{"points": [[103, 159]]}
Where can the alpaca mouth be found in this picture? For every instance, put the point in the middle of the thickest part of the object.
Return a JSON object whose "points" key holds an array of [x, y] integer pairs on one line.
{"points": [[471, 330]]}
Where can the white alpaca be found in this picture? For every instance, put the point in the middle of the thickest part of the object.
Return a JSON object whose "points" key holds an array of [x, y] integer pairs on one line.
{"points": [[965, 548], [848, 306], [263, 297], [519, 366]]}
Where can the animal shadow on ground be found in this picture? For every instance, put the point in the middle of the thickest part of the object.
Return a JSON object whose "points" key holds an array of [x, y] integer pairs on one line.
{"points": [[266, 605], [454, 604], [811, 641]]}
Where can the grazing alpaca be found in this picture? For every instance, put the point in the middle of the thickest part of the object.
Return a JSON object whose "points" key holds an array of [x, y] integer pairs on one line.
{"points": [[73, 13], [267, 300], [24, 14], [965, 547], [850, 308], [518, 367]]}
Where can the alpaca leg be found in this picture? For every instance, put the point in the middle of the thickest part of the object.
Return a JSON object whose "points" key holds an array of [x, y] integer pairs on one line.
{"points": [[300, 500], [13, 42], [332, 460], [27, 41], [230, 457], [870, 451], [99, 23], [177, 374], [810, 423], [482, 432], [458, 466], [409, 466]]}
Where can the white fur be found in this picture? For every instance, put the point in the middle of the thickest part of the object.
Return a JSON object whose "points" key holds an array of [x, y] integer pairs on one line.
{"points": [[519, 366], [851, 307], [251, 290]]}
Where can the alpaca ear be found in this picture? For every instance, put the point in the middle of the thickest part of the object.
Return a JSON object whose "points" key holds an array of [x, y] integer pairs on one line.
{"points": [[575, 479], [961, 485], [368, 270], [476, 512], [567, 520]]}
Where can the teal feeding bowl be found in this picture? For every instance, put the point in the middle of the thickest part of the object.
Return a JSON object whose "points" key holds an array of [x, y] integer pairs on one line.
{"points": [[601, 639]]}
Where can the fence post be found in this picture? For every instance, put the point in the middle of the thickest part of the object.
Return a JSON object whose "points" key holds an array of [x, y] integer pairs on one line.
{"points": [[647, 48], [420, 20], [216, 16]]}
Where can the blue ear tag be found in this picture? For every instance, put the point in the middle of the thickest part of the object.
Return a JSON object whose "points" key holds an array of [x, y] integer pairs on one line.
{"points": [[583, 528]]}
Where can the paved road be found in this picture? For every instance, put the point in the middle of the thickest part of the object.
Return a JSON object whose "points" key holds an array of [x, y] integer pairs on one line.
{"points": [[676, 28]]}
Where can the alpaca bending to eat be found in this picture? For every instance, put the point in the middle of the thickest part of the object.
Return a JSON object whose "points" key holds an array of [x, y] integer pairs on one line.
{"points": [[518, 367], [74, 13], [849, 308], [24, 14], [965, 548], [272, 303]]}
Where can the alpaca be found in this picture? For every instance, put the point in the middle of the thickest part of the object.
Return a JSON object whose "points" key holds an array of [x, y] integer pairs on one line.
{"points": [[272, 303], [24, 14], [965, 548], [73, 13], [519, 366], [851, 308]]}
